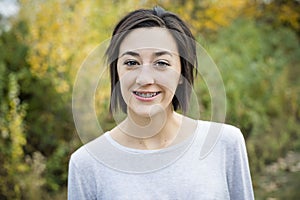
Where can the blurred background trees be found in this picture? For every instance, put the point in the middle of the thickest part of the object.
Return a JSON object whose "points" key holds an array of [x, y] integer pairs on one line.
{"points": [[255, 44]]}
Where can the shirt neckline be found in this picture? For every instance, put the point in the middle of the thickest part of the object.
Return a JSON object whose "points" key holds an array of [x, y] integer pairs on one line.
{"points": [[151, 151]]}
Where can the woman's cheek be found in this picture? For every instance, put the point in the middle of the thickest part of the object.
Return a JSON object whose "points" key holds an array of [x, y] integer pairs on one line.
{"points": [[168, 80], [127, 81]]}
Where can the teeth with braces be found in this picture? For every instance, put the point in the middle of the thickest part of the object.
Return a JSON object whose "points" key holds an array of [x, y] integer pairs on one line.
{"points": [[146, 95]]}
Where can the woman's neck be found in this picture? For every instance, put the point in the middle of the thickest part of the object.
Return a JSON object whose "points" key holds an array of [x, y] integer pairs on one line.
{"points": [[149, 132]]}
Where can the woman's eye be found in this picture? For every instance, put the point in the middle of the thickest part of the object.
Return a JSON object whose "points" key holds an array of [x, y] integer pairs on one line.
{"points": [[162, 64], [131, 63]]}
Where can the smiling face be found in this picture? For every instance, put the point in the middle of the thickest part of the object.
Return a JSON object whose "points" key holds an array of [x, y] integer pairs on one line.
{"points": [[149, 70]]}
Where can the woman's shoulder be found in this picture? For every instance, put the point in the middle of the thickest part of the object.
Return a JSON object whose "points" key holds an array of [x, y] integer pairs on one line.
{"points": [[226, 131], [221, 133], [85, 156]]}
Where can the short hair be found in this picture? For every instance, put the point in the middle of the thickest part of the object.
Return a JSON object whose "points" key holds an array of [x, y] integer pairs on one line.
{"points": [[186, 45]]}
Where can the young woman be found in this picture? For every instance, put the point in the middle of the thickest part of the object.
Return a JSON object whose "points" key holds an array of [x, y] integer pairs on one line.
{"points": [[154, 153]]}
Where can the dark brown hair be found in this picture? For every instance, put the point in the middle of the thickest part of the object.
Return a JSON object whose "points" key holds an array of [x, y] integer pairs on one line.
{"points": [[156, 17]]}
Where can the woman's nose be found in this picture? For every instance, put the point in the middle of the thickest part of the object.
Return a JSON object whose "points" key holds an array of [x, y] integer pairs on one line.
{"points": [[145, 76]]}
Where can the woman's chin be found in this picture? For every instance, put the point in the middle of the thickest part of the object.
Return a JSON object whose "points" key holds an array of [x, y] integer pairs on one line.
{"points": [[147, 110]]}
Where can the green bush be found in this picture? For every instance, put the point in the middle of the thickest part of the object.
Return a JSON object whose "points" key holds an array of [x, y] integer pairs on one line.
{"points": [[34, 120], [259, 68]]}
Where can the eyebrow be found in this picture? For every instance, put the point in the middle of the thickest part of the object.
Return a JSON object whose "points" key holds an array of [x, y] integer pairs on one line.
{"points": [[131, 53], [157, 54], [160, 53]]}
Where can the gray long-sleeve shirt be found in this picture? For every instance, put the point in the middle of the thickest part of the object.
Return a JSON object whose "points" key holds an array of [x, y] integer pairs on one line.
{"points": [[104, 169]]}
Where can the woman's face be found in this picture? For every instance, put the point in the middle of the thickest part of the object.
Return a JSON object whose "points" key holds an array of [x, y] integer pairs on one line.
{"points": [[149, 70]]}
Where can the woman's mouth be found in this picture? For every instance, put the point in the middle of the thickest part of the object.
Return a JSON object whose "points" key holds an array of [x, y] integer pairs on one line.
{"points": [[145, 95]]}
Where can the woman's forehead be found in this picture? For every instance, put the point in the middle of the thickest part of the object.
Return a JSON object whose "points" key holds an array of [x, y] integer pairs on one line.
{"points": [[155, 38]]}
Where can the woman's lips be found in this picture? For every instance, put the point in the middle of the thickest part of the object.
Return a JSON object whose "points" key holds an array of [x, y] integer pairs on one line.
{"points": [[145, 95]]}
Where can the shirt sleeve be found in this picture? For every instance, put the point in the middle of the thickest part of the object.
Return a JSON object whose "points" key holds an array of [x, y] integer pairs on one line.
{"points": [[239, 178], [79, 185]]}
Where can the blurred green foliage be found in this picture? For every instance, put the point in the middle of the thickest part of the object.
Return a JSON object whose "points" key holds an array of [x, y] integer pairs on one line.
{"points": [[258, 56], [258, 65], [12, 113]]}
